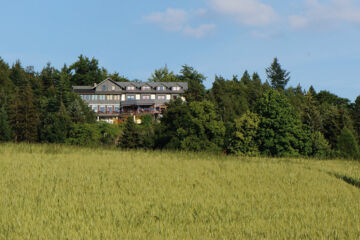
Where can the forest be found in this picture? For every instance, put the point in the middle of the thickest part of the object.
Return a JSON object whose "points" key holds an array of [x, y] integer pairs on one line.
{"points": [[245, 115]]}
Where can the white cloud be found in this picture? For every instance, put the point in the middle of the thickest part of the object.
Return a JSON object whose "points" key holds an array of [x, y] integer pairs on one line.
{"points": [[248, 12], [200, 31], [178, 20], [330, 13], [170, 20]]}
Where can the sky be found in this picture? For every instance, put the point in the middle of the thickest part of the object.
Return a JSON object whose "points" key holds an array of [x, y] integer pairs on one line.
{"points": [[317, 41]]}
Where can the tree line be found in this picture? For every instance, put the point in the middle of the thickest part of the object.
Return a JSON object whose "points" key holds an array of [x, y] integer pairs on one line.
{"points": [[243, 115]]}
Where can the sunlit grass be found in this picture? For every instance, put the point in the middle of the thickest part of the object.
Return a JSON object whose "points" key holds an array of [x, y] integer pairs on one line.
{"points": [[60, 192]]}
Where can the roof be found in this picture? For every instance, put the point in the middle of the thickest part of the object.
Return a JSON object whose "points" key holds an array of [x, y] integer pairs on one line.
{"points": [[138, 85]]}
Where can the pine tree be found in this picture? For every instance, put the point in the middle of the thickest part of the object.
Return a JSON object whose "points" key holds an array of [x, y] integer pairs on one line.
{"points": [[5, 129], [30, 116], [277, 76], [130, 138]]}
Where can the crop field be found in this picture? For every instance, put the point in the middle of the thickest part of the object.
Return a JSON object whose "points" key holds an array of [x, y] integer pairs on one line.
{"points": [[61, 192]]}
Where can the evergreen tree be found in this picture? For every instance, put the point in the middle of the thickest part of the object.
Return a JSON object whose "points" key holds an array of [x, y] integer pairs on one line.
{"points": [[277, 76], [5, 129], [86, 72], [130, 137], [30, 116], [196, 89], [17, 75]]}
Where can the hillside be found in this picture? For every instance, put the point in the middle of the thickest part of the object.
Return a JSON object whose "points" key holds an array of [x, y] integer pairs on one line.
{"points": [[58, 192]]}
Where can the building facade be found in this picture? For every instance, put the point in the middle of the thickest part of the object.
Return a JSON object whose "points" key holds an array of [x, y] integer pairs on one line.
{"points": [[113, 101]]}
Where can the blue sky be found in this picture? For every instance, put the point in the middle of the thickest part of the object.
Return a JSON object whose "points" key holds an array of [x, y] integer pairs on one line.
{"points": [[316, 40]]}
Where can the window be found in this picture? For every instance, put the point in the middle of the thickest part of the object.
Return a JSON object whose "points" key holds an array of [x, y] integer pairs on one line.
{"points": [[131, 88], [116, 97], [130, 97], [94, 97], [177, 88], [161, 97], [161, 88], [102, 97], [146, 97], [117, 109], [104, 87], [113, 88], [109, 109], [146, 88], [102, 109], [109, 97], [94, 108], [87, 97]]}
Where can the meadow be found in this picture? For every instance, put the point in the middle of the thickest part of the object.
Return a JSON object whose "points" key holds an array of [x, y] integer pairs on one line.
{"points": [[62, 192]]}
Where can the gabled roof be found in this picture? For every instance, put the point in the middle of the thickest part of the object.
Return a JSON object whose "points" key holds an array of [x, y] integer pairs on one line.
{"points": [[138, 85]]}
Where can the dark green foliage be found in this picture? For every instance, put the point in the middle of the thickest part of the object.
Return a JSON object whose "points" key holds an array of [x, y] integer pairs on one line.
{"points": [[280, 131], [86, 72], [320, 147], [130, 138], [191, 126], [116, 77], [5, 129], [334, 119], [17, 75], [229, 98], [347, 145], [277, 76], [241, 115], [356, 117], [84, 134], [196, 89], [24, 116], [109, 133], [325, 97], [163, 75]]}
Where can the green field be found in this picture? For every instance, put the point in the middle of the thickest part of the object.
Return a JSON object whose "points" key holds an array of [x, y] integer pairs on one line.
{"points": [[58, 192]]}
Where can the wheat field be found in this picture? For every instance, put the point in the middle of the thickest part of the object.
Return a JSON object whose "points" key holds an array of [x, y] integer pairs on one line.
{"points": [[62, 192]]}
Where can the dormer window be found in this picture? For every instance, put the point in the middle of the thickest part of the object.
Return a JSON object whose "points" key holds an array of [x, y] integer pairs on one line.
{"points": [[130, 88], [104, 88], [146, 88], [161, 88], [176, 88]]}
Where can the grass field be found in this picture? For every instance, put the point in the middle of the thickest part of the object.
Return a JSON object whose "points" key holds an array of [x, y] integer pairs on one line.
{"points": [[57, 192]]}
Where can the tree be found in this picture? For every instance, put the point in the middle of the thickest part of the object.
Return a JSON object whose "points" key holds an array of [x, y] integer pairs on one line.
{"points": [[191, 126], [280, 131], [87, 72], [24, 116], [243, 139], [196, 89], [356, 117], [277, 76], [347, 145], [163, 75], [84, 134], [130, 138], [5, 129]]}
